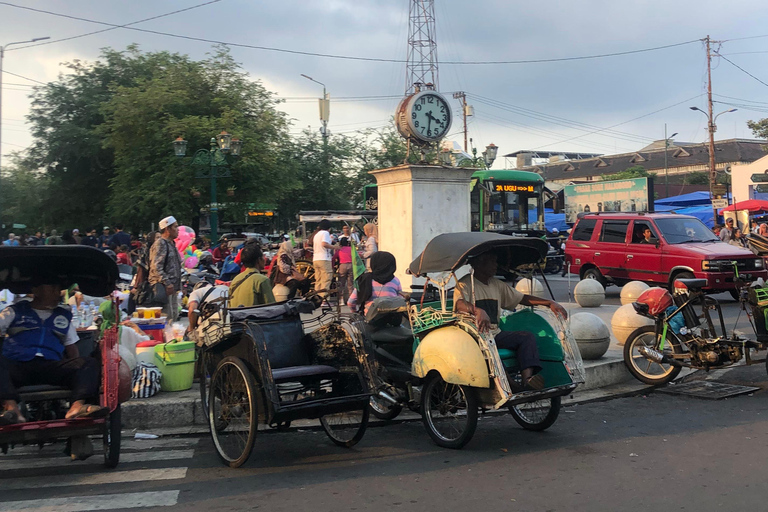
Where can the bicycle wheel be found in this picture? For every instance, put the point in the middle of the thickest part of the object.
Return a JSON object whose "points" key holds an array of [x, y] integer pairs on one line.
{"points": [[308, 270], [345, 429], [449, 412], [233, 405], [642, 368], [537, 415], [384, 410], [207, 368]]}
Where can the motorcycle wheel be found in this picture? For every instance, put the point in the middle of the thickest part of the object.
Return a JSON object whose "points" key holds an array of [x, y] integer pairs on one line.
{"points": [[641, 368], [449, 412], [384, 410], [538, 415]]}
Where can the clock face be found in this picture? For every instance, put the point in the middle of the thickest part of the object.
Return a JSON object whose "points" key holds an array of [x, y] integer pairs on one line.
{"points": [[429, 116]]}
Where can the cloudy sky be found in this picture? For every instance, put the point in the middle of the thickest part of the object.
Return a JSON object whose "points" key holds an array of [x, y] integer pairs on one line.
{"points": [[600, 105]]}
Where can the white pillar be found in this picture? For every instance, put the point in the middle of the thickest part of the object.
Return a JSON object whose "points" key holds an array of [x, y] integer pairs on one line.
{"points": [[417, 203]]}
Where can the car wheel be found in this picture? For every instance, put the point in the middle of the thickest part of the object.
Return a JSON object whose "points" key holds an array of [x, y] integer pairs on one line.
{"points": [[594, 273], [680, 275]]}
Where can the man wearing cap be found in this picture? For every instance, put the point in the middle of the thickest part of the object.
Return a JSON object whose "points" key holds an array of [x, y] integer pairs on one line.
{"points": [[104, 238], [76, 236], [727, 231], [165, 266]]}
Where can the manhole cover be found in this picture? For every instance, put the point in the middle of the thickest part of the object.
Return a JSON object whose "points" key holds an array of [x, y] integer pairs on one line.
{"points": [[707, 389]]}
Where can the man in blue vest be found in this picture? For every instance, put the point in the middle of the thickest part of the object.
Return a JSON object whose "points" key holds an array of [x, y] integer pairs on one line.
{"points": [[40, 349]]}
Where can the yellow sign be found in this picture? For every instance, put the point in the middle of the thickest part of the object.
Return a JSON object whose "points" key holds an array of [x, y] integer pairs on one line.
{"points": [[514, 188], [261, 214]]}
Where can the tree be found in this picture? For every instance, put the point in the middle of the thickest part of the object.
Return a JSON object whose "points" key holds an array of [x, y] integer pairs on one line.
{"points": [[697, 178], [23, 191], [636, 171], [759, 128]]}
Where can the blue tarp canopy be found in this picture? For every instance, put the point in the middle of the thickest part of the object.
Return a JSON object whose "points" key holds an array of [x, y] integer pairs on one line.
{"points": [[701, 198]]}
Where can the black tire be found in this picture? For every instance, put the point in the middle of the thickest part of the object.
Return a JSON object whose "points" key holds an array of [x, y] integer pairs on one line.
{"points": [[384, 410], [640, 367], [345, 429], [679, 275], [449, 412], [233, 404], [594, 273], [112, 438], [537, 415], [734, 294], [207, 366]]}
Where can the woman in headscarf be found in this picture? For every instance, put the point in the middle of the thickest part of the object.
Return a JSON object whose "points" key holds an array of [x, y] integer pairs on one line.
{"points": [[379, 282], [284, 270], [371, 244]]}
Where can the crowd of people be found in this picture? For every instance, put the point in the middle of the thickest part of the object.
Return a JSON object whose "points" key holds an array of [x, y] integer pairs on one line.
{"points": [[732, 234]]}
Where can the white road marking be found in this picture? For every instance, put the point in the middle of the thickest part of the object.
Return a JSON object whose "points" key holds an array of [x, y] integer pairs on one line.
{"points": [[140, 475], [17, 463], [99, 502]]}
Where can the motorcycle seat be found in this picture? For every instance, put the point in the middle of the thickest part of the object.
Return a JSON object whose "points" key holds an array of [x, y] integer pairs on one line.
{"points": [[392, 334], [693, 284]]}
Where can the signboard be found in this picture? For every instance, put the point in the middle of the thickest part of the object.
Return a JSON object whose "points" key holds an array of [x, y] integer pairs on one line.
{"points": [[759, 178], [761, 188], [632, 195], [719, 190], [501, 186], [257, 213], [719, 203]]}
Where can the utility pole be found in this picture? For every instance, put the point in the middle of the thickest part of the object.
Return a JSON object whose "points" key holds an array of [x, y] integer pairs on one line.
{"points": [[711, 120], [462, 97]]}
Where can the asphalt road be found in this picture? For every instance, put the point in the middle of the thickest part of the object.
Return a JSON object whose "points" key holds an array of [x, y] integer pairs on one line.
{"points": [[642, 453]]}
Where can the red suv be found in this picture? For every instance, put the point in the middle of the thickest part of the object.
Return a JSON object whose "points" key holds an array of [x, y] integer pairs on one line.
{"points": [[615, 248]]}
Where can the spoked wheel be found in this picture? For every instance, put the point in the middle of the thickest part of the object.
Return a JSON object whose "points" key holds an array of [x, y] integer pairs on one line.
{"points": [[207, 368], [308, 270], [345, 428], [233, 411], [537, 415], [112, 438], [449, 412], [383, 409], [644, 369]]}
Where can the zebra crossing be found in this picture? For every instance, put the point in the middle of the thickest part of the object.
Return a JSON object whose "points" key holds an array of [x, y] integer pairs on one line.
{"points": [[25, 490]]}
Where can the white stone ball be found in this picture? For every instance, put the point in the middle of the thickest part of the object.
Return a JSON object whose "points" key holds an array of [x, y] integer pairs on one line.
{"points": [[589, 293], [591, 334], [524, 286], [631, 291], [625, 320], [280, 292]]}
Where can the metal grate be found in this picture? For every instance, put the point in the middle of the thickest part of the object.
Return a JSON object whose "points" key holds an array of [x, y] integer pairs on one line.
{"points": [[707, 389]]}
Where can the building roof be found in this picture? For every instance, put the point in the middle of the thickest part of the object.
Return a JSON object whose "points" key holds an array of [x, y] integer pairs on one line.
{"points": [[731, 150], [570, 155]]}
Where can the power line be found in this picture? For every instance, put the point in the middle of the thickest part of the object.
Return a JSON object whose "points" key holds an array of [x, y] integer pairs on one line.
{"points": [[741, 99], [344, 57], [24, 77], [742, 69]]}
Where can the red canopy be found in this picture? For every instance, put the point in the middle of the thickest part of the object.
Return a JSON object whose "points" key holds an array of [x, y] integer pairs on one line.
{"points": [[750, 205]]}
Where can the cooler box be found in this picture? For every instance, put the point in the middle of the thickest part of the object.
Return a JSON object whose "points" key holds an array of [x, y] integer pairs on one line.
{"points": [[145, 351], [154, 331], [176, 361]]}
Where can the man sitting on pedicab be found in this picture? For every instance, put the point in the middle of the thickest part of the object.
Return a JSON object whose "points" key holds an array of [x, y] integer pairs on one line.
{"points": [[40, 349], [491, 295]]}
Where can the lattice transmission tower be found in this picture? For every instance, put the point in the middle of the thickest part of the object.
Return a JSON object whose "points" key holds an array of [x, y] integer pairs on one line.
{"points": [[421, 69]]}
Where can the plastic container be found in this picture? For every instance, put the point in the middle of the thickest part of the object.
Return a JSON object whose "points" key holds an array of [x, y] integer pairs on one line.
{"points": [[176, 362], [154, 331], [157, 312], [145, 351]]}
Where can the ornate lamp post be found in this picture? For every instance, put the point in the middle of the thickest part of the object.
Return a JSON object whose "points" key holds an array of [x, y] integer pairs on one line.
{"points": [[489, 155], [212, 164]]}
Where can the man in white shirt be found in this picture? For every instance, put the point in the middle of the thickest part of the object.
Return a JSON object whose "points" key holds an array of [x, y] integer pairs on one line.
{"points": [[202, 294], [490, 297], [322, 256]]}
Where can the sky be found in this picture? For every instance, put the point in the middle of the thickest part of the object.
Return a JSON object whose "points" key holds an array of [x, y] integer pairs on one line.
{"points": [[596, 105]]}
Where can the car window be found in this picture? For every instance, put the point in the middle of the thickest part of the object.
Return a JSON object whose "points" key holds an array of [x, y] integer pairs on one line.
{"points": [[638, 233], [685, 230], [614, 231], [584, 229]]}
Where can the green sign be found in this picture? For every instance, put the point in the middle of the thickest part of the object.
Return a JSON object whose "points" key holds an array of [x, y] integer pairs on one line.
{"points": [[759, 178], [761, 188], [631, 195]]}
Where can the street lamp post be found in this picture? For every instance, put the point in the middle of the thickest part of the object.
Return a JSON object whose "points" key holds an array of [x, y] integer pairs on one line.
{"points": [[212, 164], [325, 113], [2, 56], [712, 170], [666, 149]]}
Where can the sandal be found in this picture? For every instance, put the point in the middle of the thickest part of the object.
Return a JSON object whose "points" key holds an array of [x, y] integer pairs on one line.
{"points": [[536, 382], [90, 411]]}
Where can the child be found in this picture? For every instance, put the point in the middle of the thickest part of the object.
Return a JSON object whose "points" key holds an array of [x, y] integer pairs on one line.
{"points": [[122, 256]]}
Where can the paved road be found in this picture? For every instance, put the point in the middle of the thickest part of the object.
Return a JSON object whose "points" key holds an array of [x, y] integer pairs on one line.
{"points": [[654, 452]]}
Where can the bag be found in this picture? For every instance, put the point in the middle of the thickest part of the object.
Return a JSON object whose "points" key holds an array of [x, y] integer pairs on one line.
{"points": [[159, 295], [146, 380]]}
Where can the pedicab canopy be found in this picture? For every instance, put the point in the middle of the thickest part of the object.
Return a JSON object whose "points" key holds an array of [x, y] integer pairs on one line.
{"points": [[24, 267], [449, 251]]}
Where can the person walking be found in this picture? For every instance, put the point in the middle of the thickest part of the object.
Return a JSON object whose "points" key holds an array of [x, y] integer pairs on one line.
{"points": [[165, 267], [104, 239], [346, 276], [322, 254], [54, 239], [371, 244], [11, 242]]}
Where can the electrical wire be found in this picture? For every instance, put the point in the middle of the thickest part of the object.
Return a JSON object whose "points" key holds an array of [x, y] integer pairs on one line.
{"points": [[740, 99], [742, 69], [344, 57], [24, 77]]}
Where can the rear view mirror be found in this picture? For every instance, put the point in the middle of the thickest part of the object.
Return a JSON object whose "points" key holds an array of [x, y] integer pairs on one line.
{"points": [[658, 243]]}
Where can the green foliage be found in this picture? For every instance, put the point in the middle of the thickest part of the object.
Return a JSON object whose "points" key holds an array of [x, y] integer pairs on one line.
{"points": [[22, 201], [759, 128], [697, 178], [637, 171]]}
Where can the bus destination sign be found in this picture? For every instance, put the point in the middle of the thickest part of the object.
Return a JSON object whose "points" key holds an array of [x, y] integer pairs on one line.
{"points": [[512, 187]]}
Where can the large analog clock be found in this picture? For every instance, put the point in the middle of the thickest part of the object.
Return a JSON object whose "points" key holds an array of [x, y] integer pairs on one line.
{"points": [[424, 116]]}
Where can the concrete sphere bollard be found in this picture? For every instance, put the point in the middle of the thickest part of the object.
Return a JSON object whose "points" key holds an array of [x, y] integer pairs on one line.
{"points": [[280, 292], [625, 320], [524, 286], [589, 293], [631, 291], [591, 334]]}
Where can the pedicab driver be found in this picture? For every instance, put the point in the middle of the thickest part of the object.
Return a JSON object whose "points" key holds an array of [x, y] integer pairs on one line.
{"points": [[491, 295], [40, 349]]}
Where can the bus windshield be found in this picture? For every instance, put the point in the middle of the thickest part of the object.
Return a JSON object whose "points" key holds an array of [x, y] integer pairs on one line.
{"points": [[513, 206]]}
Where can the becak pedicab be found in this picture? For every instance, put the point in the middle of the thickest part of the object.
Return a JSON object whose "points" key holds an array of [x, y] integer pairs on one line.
{"points": [[42, 405], [456, 364]]}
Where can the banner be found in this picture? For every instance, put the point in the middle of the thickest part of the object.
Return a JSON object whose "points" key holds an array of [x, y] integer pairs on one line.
{"points": [[633, 195]]}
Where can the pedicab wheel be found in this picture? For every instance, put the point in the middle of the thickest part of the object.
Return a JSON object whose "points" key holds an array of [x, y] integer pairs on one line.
{"points": [[449, 412], [112, 437], [346, 429], [642, 368], [537, 415], [233, 411], [308, 270], [384, 410]]}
